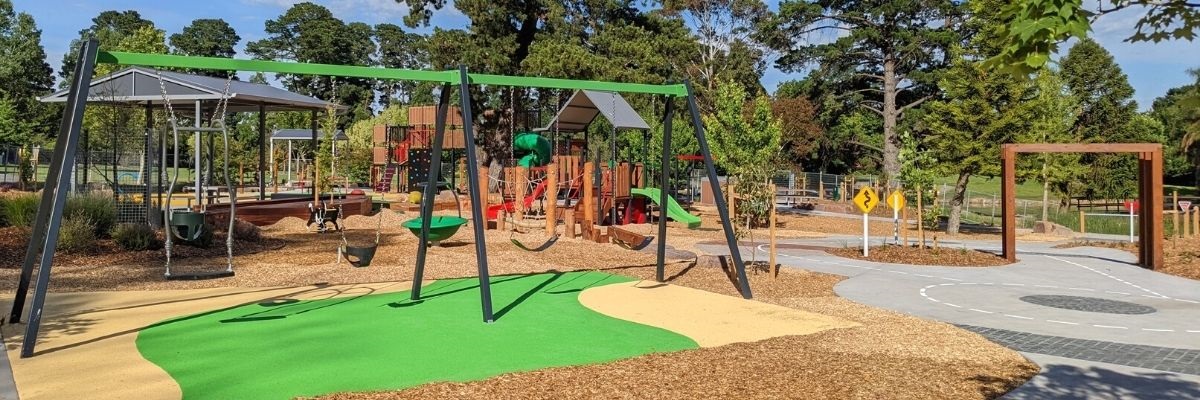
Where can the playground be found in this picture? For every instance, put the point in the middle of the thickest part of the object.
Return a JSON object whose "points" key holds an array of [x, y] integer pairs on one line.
{"points": [[565, 265]]}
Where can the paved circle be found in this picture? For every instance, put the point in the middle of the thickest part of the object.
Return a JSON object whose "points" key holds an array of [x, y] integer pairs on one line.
{"points": [[1089, 304]]}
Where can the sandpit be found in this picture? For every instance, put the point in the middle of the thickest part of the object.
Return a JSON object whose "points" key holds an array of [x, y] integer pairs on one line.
{"points": [[708, 318]]}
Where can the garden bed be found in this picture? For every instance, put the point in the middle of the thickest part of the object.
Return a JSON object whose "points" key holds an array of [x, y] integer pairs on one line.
{"points": [[913, 255]]}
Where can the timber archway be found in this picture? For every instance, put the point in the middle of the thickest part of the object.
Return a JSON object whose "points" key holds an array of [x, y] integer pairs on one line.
{"points": [[1150, 192]]}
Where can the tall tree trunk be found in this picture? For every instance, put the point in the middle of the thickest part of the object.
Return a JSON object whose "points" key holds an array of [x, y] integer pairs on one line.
{"points": [[1045, 190], [956, 203], [891, 144]]}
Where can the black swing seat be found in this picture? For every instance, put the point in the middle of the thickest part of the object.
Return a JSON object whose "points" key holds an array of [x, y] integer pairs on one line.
{"points": [[199, 276], [322, 217], [542, 247], [362, 256]]}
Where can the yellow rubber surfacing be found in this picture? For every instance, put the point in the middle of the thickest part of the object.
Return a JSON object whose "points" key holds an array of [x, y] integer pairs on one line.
{"points": [[87, 348], [710, 319]]}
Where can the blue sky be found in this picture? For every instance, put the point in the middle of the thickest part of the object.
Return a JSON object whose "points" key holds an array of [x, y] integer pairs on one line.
{"points": [[1152, 67]]}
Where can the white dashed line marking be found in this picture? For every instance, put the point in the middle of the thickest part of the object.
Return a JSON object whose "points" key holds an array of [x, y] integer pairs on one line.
{"points": [[1158, 330], [1016, 316], [982, 311], [1062, 322], [1109, 326], [1083, 289], [1107, 275], [952, 305]]}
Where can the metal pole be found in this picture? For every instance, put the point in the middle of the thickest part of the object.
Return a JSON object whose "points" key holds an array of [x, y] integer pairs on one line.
{"points": [[50, 213], [719, 198], [289, 163], [144, 174], [665, 181], [866, 246], [435, 166], [312, 118], [478, 222]]}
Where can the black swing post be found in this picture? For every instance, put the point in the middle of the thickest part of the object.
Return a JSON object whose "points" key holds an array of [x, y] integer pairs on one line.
{"points": [[665, 176], [722, 209], [44, 238], [477, 222]]}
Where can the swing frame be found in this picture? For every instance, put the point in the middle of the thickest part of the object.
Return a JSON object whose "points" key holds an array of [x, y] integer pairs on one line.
{"points": [[49, 216]]}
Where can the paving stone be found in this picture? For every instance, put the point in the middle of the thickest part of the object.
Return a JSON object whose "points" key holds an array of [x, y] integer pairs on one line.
{"points": [[1134, 355]]}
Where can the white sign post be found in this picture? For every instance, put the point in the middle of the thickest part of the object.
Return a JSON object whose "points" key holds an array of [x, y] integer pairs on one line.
{"points": [[896, 202], [1131, 205], [866, 200]]}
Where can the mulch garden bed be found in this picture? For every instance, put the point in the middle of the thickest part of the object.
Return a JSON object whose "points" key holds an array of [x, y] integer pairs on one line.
{"points": [[914, 255]]}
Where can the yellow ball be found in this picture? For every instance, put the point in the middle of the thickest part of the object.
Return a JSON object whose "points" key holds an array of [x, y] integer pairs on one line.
{"points": [[414, 197]]}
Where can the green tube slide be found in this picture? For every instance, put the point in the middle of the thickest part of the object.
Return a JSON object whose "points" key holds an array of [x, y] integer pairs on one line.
{"points": [[674, 210], [535, 147]]}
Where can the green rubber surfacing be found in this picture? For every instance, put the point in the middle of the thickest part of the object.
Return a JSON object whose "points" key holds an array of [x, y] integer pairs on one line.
{"points": [[283, 348]]}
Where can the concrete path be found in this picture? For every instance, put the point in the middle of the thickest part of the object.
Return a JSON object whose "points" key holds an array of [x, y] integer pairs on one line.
{"points": [[1099, 326]]}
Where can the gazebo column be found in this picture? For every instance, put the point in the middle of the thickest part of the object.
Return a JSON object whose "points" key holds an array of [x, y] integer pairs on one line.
{"points": [[313, 124], [196, 167], [262, 157]]}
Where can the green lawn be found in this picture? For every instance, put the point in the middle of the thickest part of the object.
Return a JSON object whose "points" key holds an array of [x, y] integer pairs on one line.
{"points": [[286, 348]]}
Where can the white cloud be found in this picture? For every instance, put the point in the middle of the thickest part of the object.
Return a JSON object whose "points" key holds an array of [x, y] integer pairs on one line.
{"points": [[371, 11]]}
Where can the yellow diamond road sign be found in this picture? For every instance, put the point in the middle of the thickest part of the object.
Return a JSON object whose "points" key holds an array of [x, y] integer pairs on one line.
{"points": [[866, 199], [896, 200]]}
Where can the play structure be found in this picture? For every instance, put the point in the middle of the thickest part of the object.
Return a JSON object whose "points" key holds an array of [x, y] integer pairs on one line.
{"points": [[401, 153], [550, 176], [605, 200]]}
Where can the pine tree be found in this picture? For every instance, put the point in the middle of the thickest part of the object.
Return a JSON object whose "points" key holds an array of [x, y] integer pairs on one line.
{"points": [[1106, 109]]}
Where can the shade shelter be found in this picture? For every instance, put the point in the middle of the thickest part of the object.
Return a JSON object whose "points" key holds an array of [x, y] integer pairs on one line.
{"points": [[585, 105], [291, 135], [197, 96]]}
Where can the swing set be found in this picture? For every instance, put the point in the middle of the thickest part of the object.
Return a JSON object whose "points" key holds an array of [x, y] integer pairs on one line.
{"points": [[49, 216]]}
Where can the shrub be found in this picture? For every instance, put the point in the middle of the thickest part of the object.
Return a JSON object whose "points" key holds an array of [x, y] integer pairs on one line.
{"points": [[19, 210], [136, 237], [77, 233], [246, 231], [98, 208]]}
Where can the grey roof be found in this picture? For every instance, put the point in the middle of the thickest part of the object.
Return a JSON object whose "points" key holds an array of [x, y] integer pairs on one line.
{"points": [[302, 134], [583, 107], [140, 85]]}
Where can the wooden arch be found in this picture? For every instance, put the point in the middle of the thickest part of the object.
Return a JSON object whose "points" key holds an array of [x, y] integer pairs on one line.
{"points": [[1150, 192]]}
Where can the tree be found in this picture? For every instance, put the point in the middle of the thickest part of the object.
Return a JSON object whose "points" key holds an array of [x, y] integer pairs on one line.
{"points": [[1053, 111], [745, 141], [979, 111], [801, 132], [1033, 29], [1106, 108], [24, 76], [310, 33], [722, 29], [1179, 113], [207, 38], [400, 49], [109, 28], [892, 46]]}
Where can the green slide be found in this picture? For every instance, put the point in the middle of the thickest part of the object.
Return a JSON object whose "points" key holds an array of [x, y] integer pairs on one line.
{"points": [[536, 148], [674, 210]]}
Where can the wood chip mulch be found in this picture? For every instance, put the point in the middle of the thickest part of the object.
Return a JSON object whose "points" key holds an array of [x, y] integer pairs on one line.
{"points": [[914, 255], [890, 356], [1181, 257]]}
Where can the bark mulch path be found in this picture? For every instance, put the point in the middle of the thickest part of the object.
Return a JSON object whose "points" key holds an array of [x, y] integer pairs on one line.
{"points": [[948, 257]]}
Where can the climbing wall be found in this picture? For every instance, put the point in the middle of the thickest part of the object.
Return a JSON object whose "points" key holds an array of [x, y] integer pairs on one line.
{"points": [[418, 166]]}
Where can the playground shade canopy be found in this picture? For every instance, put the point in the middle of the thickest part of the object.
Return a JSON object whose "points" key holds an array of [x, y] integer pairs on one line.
{"points": [[140, 85], [583, 107], [302, 134]]}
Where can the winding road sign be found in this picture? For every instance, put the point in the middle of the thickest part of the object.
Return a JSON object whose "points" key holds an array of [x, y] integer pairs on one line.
{"points": [[866, 199]]}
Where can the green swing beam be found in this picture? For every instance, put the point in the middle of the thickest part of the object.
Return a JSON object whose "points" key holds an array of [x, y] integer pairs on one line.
{"points": [[451, 77], [50, 212]]}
